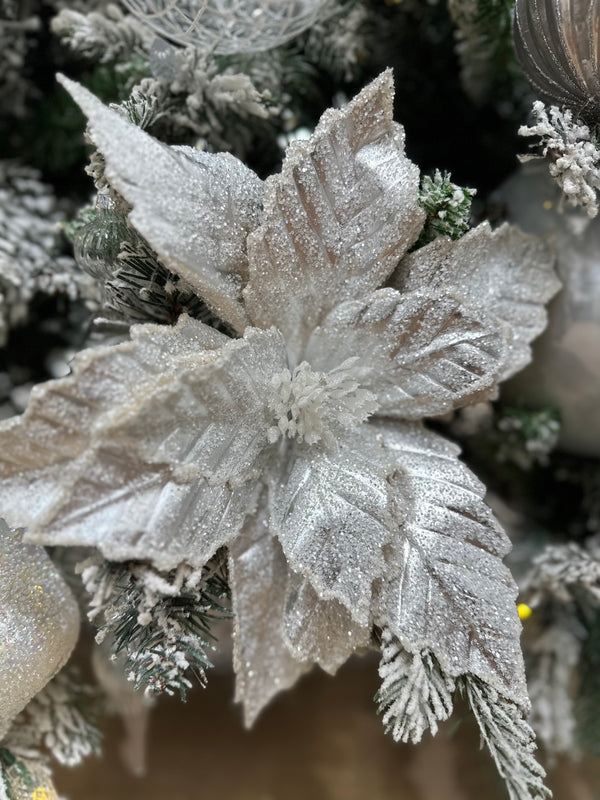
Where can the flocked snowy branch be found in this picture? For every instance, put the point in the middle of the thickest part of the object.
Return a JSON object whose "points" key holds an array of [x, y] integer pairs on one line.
{"points": [[159, 623], [572, 151], [563, 589], [60, 719], [415, 694], [447, 205], [104, 35]]}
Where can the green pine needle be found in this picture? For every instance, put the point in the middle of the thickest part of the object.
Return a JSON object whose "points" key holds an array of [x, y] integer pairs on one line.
{"points": [[448, 208]]}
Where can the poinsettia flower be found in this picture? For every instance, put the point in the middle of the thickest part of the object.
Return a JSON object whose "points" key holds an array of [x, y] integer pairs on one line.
{"points": [[298, 445]]}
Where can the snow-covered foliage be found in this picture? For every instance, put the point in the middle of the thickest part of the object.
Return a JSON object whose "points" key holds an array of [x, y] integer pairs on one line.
{"points": [[415, 694], [31, 259], [573, 154], [104, 35], [448, 207], [158, 622], [509, 738], [563, 589], [16, 26], [59, 719]]}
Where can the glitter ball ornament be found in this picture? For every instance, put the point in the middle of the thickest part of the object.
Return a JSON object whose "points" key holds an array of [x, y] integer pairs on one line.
{"points": [[566, 366], [231, 26], [556, 42], [39, 623]]}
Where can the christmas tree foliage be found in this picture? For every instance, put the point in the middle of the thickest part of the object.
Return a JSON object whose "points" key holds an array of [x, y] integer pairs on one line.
{"points": [[283, 351]]}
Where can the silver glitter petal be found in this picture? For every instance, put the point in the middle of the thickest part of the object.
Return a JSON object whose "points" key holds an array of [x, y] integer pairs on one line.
{"points": [[112, 499], [39, 623], [420, 354], [195, 209], [264, 666], [319, 631], [329, 509], [62, 416], [213, 417], [508, 273], [558, 46], [337, 219], [449, 591], [148, 449]]}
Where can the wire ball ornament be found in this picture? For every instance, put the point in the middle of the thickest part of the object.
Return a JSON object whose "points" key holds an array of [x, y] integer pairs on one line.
{"points": [[226, 27], [558, 45]]}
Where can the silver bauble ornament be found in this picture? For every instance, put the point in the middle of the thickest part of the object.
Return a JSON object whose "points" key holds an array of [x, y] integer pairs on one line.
{"points": [[557, 43], [565, 371], [39, 623]]}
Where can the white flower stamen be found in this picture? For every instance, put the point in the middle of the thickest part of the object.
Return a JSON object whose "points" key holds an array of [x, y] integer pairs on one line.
{"points": [[308, 404]]}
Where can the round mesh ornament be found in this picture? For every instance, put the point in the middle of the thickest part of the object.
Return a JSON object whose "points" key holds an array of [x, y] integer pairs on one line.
{"points": [[231, 26]]}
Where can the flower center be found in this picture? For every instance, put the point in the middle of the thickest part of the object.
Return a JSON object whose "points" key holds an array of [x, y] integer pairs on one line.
{"points": [[310, 405]]}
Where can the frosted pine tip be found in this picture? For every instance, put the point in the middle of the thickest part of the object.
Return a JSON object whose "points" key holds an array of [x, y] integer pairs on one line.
{"points": [[524, 611]]}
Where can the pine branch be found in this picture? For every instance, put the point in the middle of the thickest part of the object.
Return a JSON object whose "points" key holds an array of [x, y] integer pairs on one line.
{"points": [[105, 36], [415, 694], [563, 587], [509, 738], [160, 622], [448, 208], [338, 44], [552, 656], [12, 768], [526, 437], [485, 46], [141, 289], [588, 700], [61, 718], [572, 151]]}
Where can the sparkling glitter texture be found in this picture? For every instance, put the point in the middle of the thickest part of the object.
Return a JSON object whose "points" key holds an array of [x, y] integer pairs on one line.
{"points": [[299, 445], [196, 209], [39, 623]]}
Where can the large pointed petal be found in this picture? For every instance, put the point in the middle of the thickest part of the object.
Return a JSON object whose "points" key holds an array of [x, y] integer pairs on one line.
{"points": [[148, 449], [449, 590], [263, 663], [506, 272], [64, 416], [420, 354], [129, 509], [330, 512], [196, 209], [320, 631], [337, 219]]}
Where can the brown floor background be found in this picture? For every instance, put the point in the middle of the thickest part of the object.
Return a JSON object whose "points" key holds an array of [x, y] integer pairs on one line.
{"points": [[321, 741]]}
